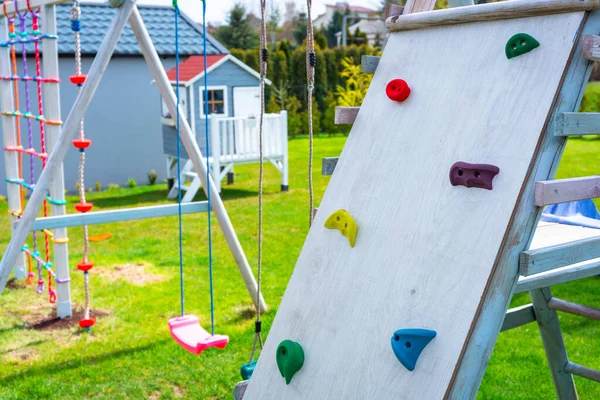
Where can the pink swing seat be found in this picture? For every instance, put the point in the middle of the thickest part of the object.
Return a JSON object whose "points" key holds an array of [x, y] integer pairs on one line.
{"points": [[186, 331]]}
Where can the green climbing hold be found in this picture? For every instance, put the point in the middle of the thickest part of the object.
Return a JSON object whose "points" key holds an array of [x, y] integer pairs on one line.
{"points": [[290, 358], [520, 44]]}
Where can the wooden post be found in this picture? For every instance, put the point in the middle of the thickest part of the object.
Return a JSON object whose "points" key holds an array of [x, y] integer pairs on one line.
{"points": [[64, 143], [556, 353], [215, 151], [494, 305], [57, 185], [188, 139], [9, 134], [283, 129]]}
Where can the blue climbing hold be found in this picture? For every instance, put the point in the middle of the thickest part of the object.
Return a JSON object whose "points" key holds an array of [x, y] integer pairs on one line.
{"points": [[247, 370], [409, 343]]}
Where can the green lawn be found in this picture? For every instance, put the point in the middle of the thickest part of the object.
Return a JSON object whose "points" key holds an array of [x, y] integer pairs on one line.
{"points": [[130, 353]]}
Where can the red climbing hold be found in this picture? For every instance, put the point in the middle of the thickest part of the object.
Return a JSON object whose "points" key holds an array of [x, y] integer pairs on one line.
{"points": [[85, 265], [78, 79], [82, 143], [84, 207], [397, 90], [87, 323]]}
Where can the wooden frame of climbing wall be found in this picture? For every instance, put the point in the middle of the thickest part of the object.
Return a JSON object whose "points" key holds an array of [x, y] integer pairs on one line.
{"points": [[127, 12], [51, 107], [428, 254]]}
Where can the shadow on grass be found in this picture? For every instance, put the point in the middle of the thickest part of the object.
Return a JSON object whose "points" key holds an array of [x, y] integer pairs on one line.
{"points": [[54, 368], [229, 193], [120, 200], [31, 344]]}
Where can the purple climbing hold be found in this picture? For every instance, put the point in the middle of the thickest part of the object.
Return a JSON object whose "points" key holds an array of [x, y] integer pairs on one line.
{"points": [[473, 175]]}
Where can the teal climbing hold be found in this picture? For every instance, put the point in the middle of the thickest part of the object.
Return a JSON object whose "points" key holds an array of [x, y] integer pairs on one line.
{"points": [[520, 44], [409, 343], [290, 359], [247, 370]]}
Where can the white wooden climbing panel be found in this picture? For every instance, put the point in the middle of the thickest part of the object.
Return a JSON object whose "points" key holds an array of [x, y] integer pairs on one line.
{"points": [[425, 250]]}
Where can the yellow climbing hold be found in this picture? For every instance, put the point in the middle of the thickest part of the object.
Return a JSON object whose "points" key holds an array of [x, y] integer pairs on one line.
{"points": [[343, 222]]}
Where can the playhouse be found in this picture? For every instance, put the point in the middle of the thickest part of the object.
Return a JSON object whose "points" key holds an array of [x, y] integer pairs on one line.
{"points": [[233, 104]]}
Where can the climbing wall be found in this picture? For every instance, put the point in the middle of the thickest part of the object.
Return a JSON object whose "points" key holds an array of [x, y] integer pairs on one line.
{"points": [[425, 249]]}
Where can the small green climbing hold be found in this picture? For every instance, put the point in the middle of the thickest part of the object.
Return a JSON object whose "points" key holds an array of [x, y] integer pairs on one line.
{"points": [[290, 358], [520, 44]]}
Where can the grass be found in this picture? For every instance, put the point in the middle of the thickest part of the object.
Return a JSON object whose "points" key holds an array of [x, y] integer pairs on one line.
{"points": [[130, 355]]}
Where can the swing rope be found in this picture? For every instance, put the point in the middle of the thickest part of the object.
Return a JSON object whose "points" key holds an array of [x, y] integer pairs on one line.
{"points": [[206, 138], [208, 191], [264, 56], [179, 212], [311, 61]]}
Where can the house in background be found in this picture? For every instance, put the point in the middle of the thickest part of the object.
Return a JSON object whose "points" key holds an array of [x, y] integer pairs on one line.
{"points": [[324, 19], [374, 28], [123, 120], [233, 103]]}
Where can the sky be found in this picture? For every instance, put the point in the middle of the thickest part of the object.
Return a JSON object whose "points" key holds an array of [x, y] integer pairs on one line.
{"points": [[216, 10]]}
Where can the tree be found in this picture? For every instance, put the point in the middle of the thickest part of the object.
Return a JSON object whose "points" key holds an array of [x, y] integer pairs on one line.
{"points": [[334, 26], [355, 88], [358, 38], [238, 34], [300, 28]]}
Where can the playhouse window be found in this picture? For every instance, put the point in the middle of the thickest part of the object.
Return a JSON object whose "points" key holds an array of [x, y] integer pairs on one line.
{"points": [[217, 101]]}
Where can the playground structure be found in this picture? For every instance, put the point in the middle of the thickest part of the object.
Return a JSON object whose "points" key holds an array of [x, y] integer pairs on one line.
{"points": [[234, 141], [430, 251], [23, 218]]}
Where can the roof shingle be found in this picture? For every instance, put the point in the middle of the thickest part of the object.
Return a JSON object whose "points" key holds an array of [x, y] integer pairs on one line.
{"points": [[159, 20]]}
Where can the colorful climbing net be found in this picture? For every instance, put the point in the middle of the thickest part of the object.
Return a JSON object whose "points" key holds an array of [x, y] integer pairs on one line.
{"points": [[81, 143], [18, 43]]}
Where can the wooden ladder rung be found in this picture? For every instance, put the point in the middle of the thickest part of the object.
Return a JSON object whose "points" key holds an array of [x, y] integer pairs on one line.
{"points": [[563, 190], [591, 47], [582, 371], [328, 165], [518, 316], [577, 124], [574, 308], [369, 64], [548, 258], [345, 115]]}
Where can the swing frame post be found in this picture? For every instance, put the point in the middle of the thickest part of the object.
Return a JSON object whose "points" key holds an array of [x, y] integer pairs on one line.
{"points": [[199, 162]]}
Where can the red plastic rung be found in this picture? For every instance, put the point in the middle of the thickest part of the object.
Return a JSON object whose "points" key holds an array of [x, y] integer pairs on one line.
{"points": [[85, 265], [84, 207], [78, 79], [82, 143], [87, 323]]}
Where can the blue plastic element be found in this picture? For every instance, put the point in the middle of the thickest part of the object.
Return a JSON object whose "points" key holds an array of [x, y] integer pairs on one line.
{"points": [[409, 343], [579, 213], [247, 370]]}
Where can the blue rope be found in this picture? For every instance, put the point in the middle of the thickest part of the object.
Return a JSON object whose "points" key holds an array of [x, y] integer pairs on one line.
{"points": [[179, 213], [206, 137]]}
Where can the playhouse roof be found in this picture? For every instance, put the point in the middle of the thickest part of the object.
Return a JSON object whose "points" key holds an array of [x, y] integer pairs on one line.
{"points": [[192, 68], [159, 20]]}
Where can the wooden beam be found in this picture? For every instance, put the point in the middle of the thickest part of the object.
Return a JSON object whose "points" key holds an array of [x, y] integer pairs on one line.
{"points": [[518, 237], [417, 6], [393, 10], [574, 308], [328, 165], [582, 371], [104, 217], [369, 64], [33, 4], [591, 47], [577, 124], [518, 316], [563, 190], [486, 12], [558, 276], [188, 138], [345, 115], [554, 345], [552, 257]]}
